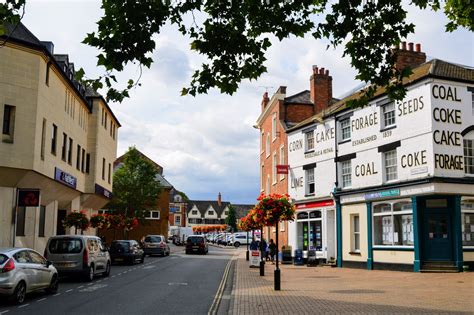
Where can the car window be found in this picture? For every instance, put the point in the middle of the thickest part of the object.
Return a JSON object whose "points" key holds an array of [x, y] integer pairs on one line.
{"points": [[22, 257], [153, 239], [3, 259], [65, 246], [118, 245], [195, 239], [101, 245], [37, 258]]}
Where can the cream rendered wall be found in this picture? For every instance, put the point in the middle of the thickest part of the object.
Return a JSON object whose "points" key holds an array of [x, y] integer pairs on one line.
{"points": [[394, 257], [7, 201], [31, 229], [468, 256], [347, 212]]}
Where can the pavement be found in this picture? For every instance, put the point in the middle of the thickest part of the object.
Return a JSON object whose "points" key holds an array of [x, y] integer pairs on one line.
{"points": [[327, 290]]}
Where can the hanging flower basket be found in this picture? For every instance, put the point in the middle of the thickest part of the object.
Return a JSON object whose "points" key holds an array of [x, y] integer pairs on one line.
{"points": [[115, 221], [130, 223], [76, 219], [98, 221], [273, 208]]}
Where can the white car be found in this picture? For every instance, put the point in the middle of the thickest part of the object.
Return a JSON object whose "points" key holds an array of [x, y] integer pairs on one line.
{"points": [[241, 239], [23, 270]]}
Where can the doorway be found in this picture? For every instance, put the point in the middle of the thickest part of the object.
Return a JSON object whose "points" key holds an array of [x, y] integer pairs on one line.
{"points": [[437, 231]]}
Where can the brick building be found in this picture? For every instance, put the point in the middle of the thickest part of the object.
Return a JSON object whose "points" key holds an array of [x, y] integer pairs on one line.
{"points": [[279, 113]]}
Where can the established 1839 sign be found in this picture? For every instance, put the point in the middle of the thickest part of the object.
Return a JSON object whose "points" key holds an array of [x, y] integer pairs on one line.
{"points": [[28, 197]]}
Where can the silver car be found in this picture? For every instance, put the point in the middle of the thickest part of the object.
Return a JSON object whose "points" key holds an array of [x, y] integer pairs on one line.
{"points": [[156, 245], [23, 270]]}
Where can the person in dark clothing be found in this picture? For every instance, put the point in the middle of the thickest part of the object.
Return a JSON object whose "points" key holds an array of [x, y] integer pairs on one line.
{"points": [[254, 245], [272, 247], [263, 246]]}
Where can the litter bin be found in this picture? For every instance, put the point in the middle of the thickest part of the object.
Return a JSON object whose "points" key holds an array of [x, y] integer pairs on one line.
{"points": [[286, 255], [298, 261], [312, 260]]}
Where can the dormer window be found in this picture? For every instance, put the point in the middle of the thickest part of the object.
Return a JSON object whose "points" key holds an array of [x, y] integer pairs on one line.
{"points": [[194, 212], [210, 212]]}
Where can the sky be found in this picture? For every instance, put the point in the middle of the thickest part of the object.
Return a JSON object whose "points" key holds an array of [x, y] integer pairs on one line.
{"points": [[207, 144]]}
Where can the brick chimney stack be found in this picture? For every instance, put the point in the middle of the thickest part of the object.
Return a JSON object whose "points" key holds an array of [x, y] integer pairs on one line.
{"points": [[265, 100], [409, 57], [219, 197], [320, 89]]}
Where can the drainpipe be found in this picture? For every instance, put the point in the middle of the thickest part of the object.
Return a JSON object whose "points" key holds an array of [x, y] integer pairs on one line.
{"points": [[337, 202]]}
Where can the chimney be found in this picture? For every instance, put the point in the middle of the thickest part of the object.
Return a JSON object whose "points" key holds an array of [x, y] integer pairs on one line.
{"points": [[219, 199], [409, 57], [320, 89], [265, 100]]}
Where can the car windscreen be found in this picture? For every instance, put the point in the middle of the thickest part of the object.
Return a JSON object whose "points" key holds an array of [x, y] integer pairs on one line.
{"points": [[65, 246], [195, 239], [119, 245], [3, 259], [153, 239]]}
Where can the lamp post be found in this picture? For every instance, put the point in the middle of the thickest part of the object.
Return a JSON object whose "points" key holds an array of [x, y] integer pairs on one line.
{"points": [[247, 241], [277, 269], [262, 263]]}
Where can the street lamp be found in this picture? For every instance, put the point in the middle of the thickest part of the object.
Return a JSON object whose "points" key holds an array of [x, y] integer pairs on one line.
{"points": [[247, 241], [277, 275], [262, 263]]}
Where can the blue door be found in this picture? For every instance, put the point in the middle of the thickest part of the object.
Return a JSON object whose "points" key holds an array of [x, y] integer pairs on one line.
{"points": [[437, 235]]}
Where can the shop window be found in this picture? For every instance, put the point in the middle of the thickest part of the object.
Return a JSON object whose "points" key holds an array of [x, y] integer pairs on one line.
{"points": [[346, 174], [468, 156], [393, 223], [355, 228], [390, 165], [345, 125], [388, 114], [310, 185], [309, 141], [467, 223]]}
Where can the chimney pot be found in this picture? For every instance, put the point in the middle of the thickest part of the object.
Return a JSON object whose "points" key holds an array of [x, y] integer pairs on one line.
{"points": [[404, 45], [315, 69], [219, 199], [410, 46], [320, 89], [321, 71], [327, 72], [418, 47]]}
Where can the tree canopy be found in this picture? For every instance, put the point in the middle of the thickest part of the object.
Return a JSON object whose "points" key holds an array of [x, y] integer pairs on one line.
{"points": [[135, 187], [231, 219], [234, 36]]}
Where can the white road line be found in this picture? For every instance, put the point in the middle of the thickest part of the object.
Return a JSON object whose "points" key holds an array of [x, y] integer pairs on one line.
{"points": [[24, 305], [119, 274], [57, 294], [3, 312], [80, 287], [41, 300], [113, 276], [69, 290]]}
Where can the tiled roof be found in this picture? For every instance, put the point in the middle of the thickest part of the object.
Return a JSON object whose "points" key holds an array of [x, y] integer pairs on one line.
{"points": [[163, 182], [20, 32], [203, 205], [242, 210], [303, 97]]}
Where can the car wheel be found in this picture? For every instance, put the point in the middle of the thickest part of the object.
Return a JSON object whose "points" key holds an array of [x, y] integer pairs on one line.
{"points": [[131, 261], [107, 270], [237, 244], [89, 275], [53, 286], [143, 259], [20, 293]]}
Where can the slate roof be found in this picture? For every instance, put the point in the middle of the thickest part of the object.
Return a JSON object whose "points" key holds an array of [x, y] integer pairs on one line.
{"points": [[242, 210], [304, 97], [163, 182], [434, 68], [203, 205], [21, 33]]}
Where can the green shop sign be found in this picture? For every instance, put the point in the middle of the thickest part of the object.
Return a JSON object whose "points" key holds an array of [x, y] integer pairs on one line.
{"points": [[382, 194]]}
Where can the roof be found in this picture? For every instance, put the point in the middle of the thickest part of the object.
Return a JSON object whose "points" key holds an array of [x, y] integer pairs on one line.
{"points": [[303, 97], [242, 210], [434, 68], [20, 32], [163, 182], [120, 159], [203, 205]]}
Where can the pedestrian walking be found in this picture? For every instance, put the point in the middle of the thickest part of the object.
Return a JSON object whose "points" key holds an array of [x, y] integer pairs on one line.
{"points": [[267, 253], [263, 246], [272, 247], [253, 245]]}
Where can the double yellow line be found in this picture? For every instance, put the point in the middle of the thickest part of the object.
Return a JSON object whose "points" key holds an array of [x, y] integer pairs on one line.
{"points": [[220, 290]]}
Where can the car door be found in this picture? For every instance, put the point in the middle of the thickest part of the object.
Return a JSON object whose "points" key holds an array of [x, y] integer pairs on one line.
{"points": [[101, 254], [25, 266], [43, 273]]}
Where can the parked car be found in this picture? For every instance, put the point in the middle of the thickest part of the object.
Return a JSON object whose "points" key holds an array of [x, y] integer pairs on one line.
{"points": [[156, 245], [240, 239], [23, 270], [196, 244], [126, 251], [83, 255]]}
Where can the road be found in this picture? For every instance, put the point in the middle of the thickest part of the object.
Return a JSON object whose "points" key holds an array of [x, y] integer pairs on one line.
{"points": [[178, 284]]}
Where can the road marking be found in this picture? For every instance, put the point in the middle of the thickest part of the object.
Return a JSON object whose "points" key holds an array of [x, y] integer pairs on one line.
{"points": [[57, 294], [220, 291], [177, 283], [80, 287], [41, 300], [93, 288], [113, 276], [119, 274], [149, 267], [24, 305], [124, 272], [3, 312], [69, 290]]}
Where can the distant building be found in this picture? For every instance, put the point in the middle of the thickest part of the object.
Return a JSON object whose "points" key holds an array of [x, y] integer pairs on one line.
{"points": [[177, 217], [57, 137]]}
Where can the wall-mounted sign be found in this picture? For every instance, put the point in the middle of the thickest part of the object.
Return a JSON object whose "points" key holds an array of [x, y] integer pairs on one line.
{"points": [[65, 178], [28, 197], [174, 209], [318, 204], [103, 192], [382, 194], [282, 169]]}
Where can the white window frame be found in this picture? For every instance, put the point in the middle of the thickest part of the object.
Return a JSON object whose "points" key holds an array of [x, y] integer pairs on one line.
{"points": [[194, 212], [282, 226], [345, 125], [388, 115], [466, 210], [468, 153], [274, 126], [309, 141], [267, 146], [176, 217], [274, 168], [355, 233], [346, 174], [263, 142], [309, 175], [267, 190], [262, 177], [282, 160], [391, 214], [148, 214], [390, 165]]}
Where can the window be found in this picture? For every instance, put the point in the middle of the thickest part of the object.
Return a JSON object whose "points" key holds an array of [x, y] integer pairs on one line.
{"points": [[282, 160], [8, 121], [262, 147], [310, 181], [20, 221], [78, 158], [309, 141], [274, 126], [103, 169], [36, 258], [355, 233], [88, 162], [105, 121], [83, 159], [43, 138], [390, 162], [210, 212], [152, 214], [177, 219], [108, 175], [48, 65], [467, 222], [102, 119], [268, 185], [346, 172], [64, 148], [388, 113], [345, 129], [42, 221], [267, 147], [54, 134], [69, 153], [262, 178], [274, 168], [393, 223], [111, 127], [282, 226], [194, 212], [468, 156], [22, 257]]}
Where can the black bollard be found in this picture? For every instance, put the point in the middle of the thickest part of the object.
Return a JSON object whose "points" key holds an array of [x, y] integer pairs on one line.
{"points": [[277, 279], [262, 268], [247, 256]]}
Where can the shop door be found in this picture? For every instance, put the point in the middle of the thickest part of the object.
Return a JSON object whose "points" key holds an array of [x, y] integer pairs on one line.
{"points": [[437, 235], [60, 230]]}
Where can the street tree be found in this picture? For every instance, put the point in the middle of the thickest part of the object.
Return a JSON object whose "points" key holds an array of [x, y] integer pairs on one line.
{"points": [[234, 36], [231, 219], [135, 187]]}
